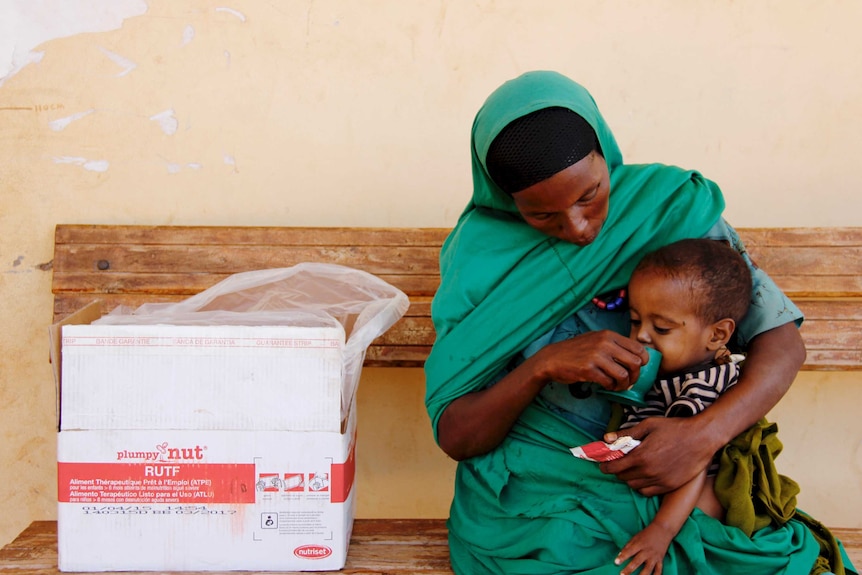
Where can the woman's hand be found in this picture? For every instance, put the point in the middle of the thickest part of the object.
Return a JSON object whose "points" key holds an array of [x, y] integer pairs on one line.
{"points": [[477, 422], [672, 451], [602, 357]]}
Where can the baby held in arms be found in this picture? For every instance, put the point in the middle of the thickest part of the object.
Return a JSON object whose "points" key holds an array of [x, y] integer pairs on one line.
{"points": [[685, 300]]}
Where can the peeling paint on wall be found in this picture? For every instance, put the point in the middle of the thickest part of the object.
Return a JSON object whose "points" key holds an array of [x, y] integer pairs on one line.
{"points": [[121, 61], [167, 121], [61, 123], [188, 34], [232, 12], [25, 25], [230, 161], [91, 165], [19, 62], [176, 168], [16, 263]]}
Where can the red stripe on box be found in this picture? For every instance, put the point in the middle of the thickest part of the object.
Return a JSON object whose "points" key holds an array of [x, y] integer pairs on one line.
{"points": [[342, 477], [155, 483]]}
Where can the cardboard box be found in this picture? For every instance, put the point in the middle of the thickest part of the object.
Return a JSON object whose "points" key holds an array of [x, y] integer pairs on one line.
{"points": [[202, 448], [201, 377]]}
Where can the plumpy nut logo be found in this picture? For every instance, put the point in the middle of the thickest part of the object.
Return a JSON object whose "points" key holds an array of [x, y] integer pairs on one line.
{"points": [[163, 452]]}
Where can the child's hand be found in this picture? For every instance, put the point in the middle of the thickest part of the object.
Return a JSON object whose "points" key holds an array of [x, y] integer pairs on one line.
{"points": [[646, 549]]}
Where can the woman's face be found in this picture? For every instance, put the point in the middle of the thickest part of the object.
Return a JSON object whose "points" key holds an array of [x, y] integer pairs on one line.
{"points": [[571, 205]]}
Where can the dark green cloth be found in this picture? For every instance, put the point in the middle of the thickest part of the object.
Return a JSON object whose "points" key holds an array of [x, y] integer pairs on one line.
{"points": [[529, 506], [756, 495]]}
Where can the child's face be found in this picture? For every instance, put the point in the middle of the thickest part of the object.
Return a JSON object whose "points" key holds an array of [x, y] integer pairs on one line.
{"points": [[663, 317]]}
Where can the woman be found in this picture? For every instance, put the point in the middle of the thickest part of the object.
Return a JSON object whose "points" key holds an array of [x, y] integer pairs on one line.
{"points": [[556, 221]]}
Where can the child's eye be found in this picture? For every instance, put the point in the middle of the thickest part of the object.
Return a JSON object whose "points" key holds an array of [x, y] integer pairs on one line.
{"points": [[662, 330], [634, 321]]}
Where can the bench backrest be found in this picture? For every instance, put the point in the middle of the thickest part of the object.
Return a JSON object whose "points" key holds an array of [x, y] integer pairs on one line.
{"points": [[819, 268]]}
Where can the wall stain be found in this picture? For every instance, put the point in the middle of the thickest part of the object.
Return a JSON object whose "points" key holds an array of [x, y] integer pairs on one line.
{"points": [[44, 267]]}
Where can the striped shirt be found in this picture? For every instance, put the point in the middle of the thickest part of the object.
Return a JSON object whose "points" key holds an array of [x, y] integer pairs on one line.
{"points": [[684, 395]]}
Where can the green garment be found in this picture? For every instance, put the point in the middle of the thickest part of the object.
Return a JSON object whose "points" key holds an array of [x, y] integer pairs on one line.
{"points": [[755, 495], [529, 506]]}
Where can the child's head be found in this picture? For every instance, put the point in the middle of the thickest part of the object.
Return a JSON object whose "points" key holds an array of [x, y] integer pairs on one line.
{"points": [[686, 299]]}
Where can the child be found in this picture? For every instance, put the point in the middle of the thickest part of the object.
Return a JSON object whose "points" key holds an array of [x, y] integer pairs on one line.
{"points": [[685, 300]]}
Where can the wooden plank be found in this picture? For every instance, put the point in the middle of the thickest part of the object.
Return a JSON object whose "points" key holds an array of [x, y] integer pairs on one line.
{"points": [[33, 551], [420, 306], [820, 268], [241, 235], [187, 284], [382, 546], [238, 235], [833, 360], [801, 236], [832, 308], [811, 261], [797, 287], [832, 334], [67, 303], [396, 356], [852, 541], [799, 270], [227, 259]]}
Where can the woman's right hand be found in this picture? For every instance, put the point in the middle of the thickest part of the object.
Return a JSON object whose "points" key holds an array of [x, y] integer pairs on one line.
{"points": [[603, 357], [477, 422]]}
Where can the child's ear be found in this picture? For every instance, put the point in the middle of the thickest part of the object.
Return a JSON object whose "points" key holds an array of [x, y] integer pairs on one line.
{"points": [[722, 330]]}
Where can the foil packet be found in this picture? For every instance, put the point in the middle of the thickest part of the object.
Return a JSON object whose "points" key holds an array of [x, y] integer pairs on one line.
{"points": [[601, 451]]}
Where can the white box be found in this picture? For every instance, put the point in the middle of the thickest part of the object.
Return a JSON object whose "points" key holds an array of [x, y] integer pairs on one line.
{"points": [[202, 448], [201, 377]]}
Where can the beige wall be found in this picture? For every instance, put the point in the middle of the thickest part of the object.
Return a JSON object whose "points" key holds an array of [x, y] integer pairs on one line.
{"points": [[336, 112]]}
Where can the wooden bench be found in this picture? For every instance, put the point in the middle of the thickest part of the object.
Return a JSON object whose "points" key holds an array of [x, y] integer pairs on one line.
{"points": [[820, 268], [378, 546]]}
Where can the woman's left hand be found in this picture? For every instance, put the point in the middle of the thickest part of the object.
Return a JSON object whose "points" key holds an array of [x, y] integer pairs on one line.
{"points": [[671, 453]]}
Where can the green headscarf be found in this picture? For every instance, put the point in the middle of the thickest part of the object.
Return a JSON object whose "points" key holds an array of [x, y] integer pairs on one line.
{"points": [[504, 283], [528, 506]]}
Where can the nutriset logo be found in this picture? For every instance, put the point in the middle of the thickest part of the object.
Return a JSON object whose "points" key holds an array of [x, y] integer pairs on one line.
{"points": [[312, 552], [164, 453]]}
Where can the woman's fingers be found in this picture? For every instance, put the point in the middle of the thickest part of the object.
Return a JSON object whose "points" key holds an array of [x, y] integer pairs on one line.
{"points": [[603, 357]]}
